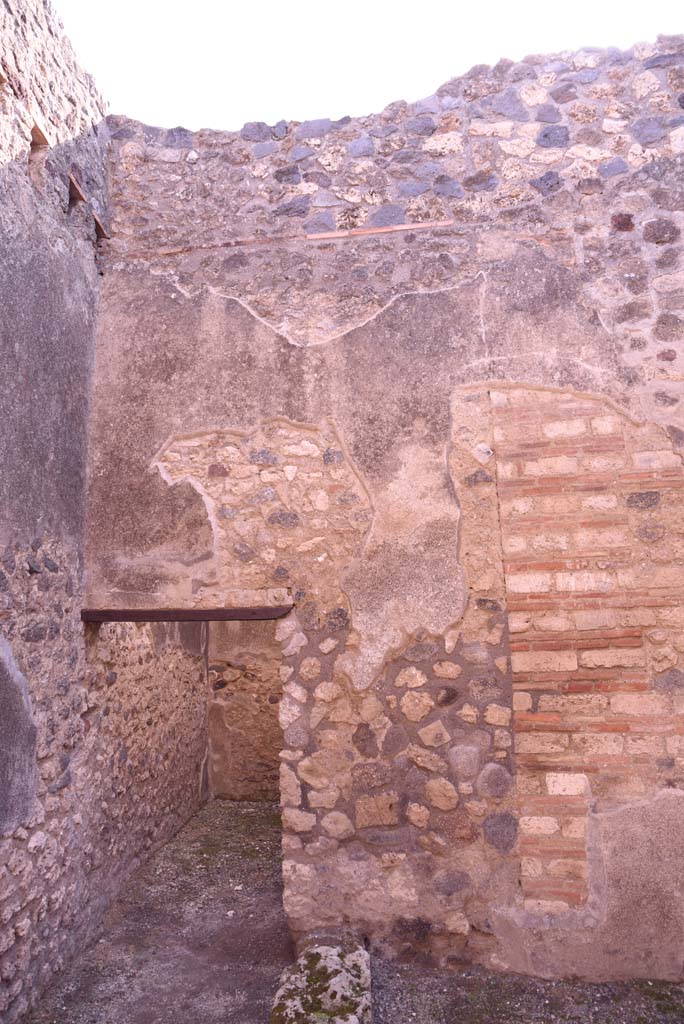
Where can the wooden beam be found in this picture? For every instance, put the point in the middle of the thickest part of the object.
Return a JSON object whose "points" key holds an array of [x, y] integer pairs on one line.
{"points": [[76, 193], [39, 139], [100, 229], [275, 611]]}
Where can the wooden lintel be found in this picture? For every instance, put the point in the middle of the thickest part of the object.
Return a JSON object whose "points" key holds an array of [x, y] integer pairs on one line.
{"points": [[275, 611], [76, 193]]}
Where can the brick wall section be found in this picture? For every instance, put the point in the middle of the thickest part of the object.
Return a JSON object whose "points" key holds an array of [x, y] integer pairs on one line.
{"points": [[592, 542]]}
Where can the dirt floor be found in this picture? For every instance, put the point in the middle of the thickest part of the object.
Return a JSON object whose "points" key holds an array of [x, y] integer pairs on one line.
{"points": [[413, 995], [199, 936]]}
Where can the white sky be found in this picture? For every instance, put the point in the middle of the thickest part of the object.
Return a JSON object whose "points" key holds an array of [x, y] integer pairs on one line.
{"points": [[213, 64]]}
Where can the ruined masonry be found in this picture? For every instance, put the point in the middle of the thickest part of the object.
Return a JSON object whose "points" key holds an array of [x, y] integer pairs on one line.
{"points": [[415, 376]]}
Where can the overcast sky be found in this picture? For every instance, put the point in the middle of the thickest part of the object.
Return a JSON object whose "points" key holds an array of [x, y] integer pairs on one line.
{"points": [[213, 64]]}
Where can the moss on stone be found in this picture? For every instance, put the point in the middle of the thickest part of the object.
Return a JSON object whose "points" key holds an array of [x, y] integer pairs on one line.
{"points": [[323, 987]]}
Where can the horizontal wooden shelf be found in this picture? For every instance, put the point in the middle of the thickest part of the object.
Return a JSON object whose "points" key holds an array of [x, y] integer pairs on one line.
{"points": [[275, 611]]}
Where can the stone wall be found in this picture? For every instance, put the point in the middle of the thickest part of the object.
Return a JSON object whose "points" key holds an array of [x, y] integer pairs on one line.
{"points": [[48, 275], [574, 279], [423, 196], [42, 76], [398, 797], [116, 725], [102, 735], [420, 369], [245, 738]]}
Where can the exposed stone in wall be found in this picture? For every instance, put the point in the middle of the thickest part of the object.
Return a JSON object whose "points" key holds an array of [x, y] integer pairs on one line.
{"points": [[424, 762], [575, 285], [245, 738], [120, 738], [590, 142], [399, 803], [587, 501], [100, 768], [40, 73], [18, 750], [285, 507]]}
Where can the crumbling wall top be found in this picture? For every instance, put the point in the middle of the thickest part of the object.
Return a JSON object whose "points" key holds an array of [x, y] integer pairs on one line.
{"points": [[38, 64]]}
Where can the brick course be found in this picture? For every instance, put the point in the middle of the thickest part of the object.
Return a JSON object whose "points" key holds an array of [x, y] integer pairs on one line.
{"points": [[592, 607]]}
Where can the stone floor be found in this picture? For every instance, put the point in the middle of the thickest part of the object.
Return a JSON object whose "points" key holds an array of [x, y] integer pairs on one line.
{"points": [[404, 994], [199, 936]]}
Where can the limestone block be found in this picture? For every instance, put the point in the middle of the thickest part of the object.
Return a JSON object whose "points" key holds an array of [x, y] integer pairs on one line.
{"points": [[441, 794], [410, 677], [416, 706], [298, 821], [377, 809], [338, 825], [326, 982], [418, 815], [434, 735]]}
